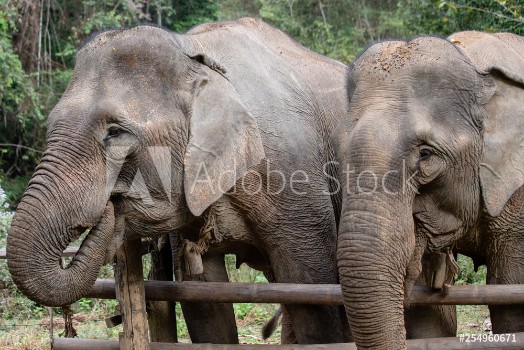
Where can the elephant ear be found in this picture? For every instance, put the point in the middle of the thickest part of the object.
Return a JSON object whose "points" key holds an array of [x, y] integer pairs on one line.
{"points": [[500, 57], [224, 141]]}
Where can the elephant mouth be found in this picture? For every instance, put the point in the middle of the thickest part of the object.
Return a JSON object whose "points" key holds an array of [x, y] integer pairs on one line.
{"points": [[78, 235], [81, 232], [437, 237]]}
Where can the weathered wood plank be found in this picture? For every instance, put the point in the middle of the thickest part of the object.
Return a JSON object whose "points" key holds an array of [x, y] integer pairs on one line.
{"points": [[322, 294], [162, 314], [452, 343], [129, 279]]}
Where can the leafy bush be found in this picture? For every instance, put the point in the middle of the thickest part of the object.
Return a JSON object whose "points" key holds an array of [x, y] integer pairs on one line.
{"points": [[443, 18], [6, 217], [467, 274], [20, 107], [242, 274]]}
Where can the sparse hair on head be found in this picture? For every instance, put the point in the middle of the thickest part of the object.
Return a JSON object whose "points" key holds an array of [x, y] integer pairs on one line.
{"points": [[111, 32]]}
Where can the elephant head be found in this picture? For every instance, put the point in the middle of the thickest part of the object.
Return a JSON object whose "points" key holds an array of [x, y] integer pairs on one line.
{"points": [[432, 140], [147, 135]]}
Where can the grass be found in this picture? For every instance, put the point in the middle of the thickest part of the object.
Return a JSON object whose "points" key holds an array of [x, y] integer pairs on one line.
{"points": [[34, 333], [473, 319], [26, 325]]}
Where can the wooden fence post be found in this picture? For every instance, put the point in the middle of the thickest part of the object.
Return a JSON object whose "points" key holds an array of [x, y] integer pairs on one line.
{"points": [[162, 314], [129, 278]]}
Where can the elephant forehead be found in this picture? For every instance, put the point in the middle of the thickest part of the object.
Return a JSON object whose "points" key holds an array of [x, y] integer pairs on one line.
{"points": [[423, 58], [132, 69], [426, 84], [139, 51], [117, 101], [146, 36]]}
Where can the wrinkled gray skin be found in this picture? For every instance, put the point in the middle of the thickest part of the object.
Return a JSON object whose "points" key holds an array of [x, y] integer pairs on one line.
{"points": [[225, 96], [451, 114]]}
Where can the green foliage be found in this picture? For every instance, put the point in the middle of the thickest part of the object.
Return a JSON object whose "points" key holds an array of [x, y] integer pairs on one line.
{"points": [[242, 274], [242, 309], [38, 40], [187, 14], [446, 17], [467, 274], [6, 217], [97, 306], [12, 88], [338, 29], [181, 326], [19, 103]]}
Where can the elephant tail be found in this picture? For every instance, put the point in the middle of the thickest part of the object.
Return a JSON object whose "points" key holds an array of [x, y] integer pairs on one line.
{"points": [[271, 325]]}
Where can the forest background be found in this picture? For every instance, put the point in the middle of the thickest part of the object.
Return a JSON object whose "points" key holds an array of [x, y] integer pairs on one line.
{"points": [[38, 41]]}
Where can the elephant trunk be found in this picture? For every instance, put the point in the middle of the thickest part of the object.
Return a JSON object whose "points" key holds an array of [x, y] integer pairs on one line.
{"points": [[51, 215], [375, 243]]}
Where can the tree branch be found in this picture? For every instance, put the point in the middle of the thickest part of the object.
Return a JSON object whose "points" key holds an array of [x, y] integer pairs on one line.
{"points": [[20, 146], [520, 19]]}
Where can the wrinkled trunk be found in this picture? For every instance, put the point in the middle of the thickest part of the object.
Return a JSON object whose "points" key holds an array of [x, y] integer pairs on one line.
{"points": [[375, 243], [57, 207]]}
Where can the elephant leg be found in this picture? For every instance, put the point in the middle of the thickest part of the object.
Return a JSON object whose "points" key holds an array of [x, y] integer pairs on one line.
{"points": [[507, 318], [311, 324], [505, 261], [287, 335], [429, 321], [211, 322], [162, 314], [508, 268]]}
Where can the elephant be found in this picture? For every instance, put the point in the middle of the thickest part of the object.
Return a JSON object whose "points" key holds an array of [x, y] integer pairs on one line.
{"points": [[220, 135], [433, 162]]}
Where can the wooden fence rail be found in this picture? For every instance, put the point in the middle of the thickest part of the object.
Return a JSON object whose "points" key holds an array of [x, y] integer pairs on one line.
{"points": [[134, 291], [453, 343], [321, 294]]}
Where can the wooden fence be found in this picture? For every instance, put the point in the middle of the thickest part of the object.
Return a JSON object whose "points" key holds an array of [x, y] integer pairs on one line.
{"points": [[413, 344], [132, 292], [318, 294]]}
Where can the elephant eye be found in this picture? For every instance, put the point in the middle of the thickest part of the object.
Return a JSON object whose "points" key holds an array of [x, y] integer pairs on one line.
{"points": [[425, 153], [114, 131]]}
